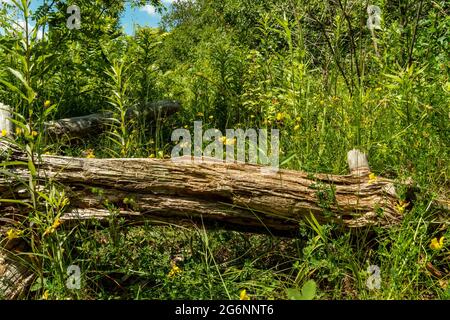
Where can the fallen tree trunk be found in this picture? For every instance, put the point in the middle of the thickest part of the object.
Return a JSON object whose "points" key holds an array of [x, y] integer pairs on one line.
{"points": [[96, 123], [83, 126], [229, 194]]}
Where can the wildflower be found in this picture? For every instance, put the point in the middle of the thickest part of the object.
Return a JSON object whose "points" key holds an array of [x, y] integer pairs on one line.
{"points": [[4, 132], [14, 234], [47, 104], [297, 127], [174, 271], [200, 114], [243, 295], [45, 295], [53, 227], [372, 178], [211, 117], [280, 116], [34, 133], [89, 153], [437, 244], [18, 131], [228, 142], [401, 206]]}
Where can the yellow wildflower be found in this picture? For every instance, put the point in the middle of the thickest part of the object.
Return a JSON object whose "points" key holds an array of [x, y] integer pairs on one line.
{"points": [[14, 234], [401, 206], [45, 295], [243, 295], [34, 133], [372, 178], [280, 116], [47, 104], [174, 271], [18, 131], [53, 227], [437, 244], [228, 142], [89, 154], [297, 127], [4, 132], [56, 223]]}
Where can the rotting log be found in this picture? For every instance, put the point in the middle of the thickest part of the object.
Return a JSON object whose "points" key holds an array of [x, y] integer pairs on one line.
{"points": [[88, 125], [95, 123], [228, 195], [211, 192]]}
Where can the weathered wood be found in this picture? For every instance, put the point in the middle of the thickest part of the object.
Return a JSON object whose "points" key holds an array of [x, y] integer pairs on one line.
{"points": [[230, 194], [358, 163], [15, 274], [5, 123], [96, 123]]}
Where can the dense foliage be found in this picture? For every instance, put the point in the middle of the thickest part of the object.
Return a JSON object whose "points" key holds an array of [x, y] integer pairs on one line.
{"points": [[310, 68]]}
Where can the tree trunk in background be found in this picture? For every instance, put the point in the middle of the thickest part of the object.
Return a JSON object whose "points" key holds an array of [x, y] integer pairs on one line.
{"points": [[96, 123]]}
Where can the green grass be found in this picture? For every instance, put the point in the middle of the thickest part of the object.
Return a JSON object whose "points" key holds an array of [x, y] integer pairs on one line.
{"points": [[315, 77]]}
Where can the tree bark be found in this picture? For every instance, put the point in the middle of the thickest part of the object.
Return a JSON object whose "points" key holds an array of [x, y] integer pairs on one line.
{"points": [[210, 193], [230, 194], [96, 123]]}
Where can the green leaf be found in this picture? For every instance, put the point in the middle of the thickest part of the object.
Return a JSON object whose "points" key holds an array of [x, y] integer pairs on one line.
{"points": [[309, 290], [293, 294]]}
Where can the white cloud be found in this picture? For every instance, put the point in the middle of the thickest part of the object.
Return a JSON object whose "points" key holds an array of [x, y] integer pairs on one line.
{"points": [[149, 9]]}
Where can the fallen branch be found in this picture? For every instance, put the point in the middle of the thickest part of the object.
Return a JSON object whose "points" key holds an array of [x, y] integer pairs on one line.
{"points": [[77, 127], [96, 123]]}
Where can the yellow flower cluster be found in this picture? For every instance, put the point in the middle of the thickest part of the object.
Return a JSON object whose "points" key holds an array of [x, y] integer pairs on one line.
{"points": [[401, 206], [53, 227], [437, 244], [228, 142], [89, 154], [280, 116], [14, 234], [174, 271], [243, 295], [372, 178]]}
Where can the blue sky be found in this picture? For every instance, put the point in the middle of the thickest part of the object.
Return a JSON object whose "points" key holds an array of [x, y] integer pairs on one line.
{"points": [[144, 16]]}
